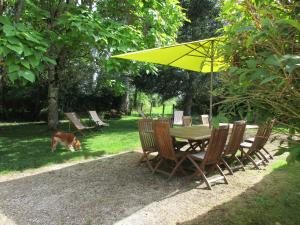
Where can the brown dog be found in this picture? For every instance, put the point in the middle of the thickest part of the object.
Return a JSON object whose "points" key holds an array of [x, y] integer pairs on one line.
{"points": [[67, 139]]}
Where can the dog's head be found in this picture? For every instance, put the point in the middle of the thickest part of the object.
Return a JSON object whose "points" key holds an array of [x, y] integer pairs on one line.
{"points": [[77, 144]]}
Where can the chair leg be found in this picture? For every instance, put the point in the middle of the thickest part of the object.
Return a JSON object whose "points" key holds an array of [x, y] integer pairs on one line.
{"points": [[258, 156], [253, 161], [249, 157], [201, 172], [145, 156], [262, 161], [221, 172], [269, 154], [240, 162], [263, 156], [227, 166], [176, 167], [157, 165]]}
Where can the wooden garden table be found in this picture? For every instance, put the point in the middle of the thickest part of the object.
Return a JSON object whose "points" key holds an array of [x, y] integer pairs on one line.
{"points": [[248, 126], [196, 135]]}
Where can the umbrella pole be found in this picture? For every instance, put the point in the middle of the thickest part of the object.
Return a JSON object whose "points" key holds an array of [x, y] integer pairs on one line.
{"points": [[211, 81]]}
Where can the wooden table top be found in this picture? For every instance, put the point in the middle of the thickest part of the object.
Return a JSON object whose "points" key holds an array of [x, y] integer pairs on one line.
{"points": [[191, 133], [248, 126]]}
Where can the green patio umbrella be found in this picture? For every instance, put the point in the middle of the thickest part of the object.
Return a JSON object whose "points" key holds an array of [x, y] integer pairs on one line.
{"points": [[199, 56]]}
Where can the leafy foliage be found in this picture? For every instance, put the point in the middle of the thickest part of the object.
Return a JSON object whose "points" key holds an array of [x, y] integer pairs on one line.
{"points": [[66, 45], [22, 50], [263, 48]]}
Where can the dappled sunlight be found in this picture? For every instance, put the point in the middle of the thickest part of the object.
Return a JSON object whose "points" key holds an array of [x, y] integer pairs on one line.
{"points": [[274, 200], [117, 190]]}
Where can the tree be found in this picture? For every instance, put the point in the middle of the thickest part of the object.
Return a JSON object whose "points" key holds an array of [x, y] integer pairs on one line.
{"points": [[157, 23], [263, 49], [49, 34]]}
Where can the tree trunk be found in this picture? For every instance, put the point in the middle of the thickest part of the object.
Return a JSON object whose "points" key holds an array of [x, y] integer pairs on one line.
{"points": [[125, 98], [52, 99], [125, 103], [188, 102], [189, 94], [135, 99]]}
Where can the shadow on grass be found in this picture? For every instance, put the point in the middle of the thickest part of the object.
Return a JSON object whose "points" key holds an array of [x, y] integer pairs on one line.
{"points": [[273, 201], [27, 146]]}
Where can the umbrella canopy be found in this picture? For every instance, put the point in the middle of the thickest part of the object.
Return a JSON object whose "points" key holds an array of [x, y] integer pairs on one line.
{"points": [[199, 56]]}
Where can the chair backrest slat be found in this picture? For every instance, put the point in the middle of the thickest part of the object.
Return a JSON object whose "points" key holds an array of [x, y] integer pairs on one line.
{"points": [[216, 145], [258, 144], [146, 134], [178, 117], [205, 119], [166, 119], [263, 134], [75, 120], [268, 130], [187, 121], [236, 137], [163, 139], [95, 117]]}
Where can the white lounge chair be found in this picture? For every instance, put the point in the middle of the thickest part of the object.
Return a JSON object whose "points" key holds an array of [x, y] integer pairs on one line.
{"points": [[205, 119], [95, 118], [75, 121], [178, 118]]}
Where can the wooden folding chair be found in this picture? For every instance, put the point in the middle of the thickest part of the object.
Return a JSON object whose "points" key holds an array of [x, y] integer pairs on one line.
{"points": [[75, 121], [177, 144], [265, 131], [253, 149], [208, 161], [166, 148], [235, 140], [96, 119], [178, 118], [146, 133], [187, 121]]}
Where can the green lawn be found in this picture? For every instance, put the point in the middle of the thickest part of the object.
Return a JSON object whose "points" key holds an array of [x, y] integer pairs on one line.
{"points": [[27, 145], [157, 111]]}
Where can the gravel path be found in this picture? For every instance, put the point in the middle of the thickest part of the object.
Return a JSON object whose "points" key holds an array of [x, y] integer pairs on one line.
{"points": [[112, 190]]}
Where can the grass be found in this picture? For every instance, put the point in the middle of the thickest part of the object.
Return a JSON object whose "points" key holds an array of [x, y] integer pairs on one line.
{"points": [[27, 145], [157, 111]]}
